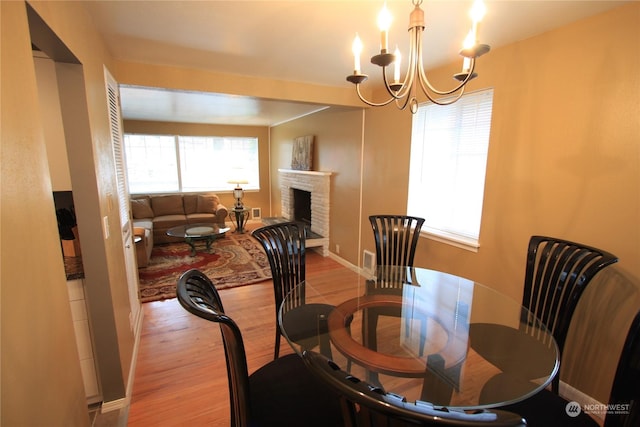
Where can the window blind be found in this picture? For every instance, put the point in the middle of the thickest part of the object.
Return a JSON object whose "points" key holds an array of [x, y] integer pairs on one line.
{"points": [[449, 146]]}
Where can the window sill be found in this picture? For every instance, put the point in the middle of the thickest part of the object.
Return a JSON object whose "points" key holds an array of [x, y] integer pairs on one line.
{"points": [[461, 242]]}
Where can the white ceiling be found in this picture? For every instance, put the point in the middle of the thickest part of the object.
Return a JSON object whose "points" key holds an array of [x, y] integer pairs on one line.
{"points": [[140, 103], [294, 40]]}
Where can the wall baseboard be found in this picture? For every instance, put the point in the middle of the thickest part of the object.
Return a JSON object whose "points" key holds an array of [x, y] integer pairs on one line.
{"points": [[123, 403], [344, 262]]}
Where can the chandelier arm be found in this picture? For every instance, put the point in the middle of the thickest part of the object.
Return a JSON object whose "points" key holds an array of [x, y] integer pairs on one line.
{"points": [[413, 62], [449, 101], [404, 105], [406, 85], [387, 86], [372, 104], [422, 78]]}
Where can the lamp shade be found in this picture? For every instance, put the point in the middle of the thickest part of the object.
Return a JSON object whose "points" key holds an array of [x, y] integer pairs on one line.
{"points": [[238, 181]]}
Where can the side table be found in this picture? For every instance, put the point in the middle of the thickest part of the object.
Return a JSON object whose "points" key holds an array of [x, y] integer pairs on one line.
{"points": [[239, 218]]}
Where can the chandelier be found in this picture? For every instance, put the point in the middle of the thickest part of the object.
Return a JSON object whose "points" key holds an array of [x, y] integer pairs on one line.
{"points": [[405, 92]]}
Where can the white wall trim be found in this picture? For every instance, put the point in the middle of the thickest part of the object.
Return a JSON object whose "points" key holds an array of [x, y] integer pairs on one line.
{"points": [[344, 262], [124, 402]]}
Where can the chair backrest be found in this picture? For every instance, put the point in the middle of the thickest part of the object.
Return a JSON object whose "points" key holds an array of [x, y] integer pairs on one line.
{"points": [[367, 405], [626, 382], [284, 244], [199, 296], [557, 273], [396, 238]]}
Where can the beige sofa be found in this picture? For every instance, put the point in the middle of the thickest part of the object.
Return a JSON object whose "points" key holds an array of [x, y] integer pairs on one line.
{"points": [[159, 213]]}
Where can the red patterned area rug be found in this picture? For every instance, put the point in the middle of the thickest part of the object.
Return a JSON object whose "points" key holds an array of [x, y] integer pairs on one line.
{"points": [[235, 260]]}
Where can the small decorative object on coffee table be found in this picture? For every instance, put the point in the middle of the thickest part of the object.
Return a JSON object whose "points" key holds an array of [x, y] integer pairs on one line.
{"points": [[239, 217], [194, 232]]}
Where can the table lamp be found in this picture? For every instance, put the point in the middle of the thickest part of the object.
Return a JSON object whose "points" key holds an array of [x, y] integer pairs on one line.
{"points": [[238, 192]]}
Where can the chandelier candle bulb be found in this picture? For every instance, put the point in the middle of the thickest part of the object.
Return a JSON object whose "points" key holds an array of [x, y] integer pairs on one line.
{"points": [[466, 65], [356, 48], [384, 22], [396, 68], [477, 12], [468, 43]]}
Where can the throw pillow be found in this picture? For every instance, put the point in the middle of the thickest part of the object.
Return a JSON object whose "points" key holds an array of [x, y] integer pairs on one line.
{"points": [[167, 205], [207, 204], [190, 203], [140, 208]]}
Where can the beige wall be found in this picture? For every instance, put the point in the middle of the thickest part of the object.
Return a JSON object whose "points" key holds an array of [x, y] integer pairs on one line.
{"points": [[52, 123], [39, 356], [563, 154], [564, 160], [337, 148], [37, 333], [253, 199], [154, 75]]}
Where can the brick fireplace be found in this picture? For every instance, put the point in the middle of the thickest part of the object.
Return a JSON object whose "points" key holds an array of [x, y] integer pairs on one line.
{"points": [[318, 184]]}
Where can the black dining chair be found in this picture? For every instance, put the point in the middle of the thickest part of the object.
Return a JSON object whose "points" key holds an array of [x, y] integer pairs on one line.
{"points": [[364, 404], [557, 273], [282, 392], [548, 409], [285, 246], [396, 238]]}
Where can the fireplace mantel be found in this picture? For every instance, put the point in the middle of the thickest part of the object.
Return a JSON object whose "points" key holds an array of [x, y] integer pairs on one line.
{"points": [[318, 184], [320, 173]]}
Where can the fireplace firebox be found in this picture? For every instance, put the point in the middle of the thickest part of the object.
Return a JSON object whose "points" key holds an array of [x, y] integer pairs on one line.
{"points": [[302, 205], [317, 186]]}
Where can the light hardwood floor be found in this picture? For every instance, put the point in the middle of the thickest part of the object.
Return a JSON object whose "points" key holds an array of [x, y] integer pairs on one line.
{"points": [[181, 376]]}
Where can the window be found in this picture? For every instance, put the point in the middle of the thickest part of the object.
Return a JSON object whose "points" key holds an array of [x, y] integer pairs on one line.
{"points": [[171, 164], [449, 146]]}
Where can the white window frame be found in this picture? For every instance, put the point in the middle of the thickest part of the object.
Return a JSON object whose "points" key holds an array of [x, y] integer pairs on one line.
{"points": [[449, 150], [228, 162]]}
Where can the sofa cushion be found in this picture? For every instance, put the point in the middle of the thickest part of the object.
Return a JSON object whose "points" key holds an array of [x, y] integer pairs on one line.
{"points": [[201, 217], [190, 203], [165, 222], [167, 205], [141, 208], [207, 204]]}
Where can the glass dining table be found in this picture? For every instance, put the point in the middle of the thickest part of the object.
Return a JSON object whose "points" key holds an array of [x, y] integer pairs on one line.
{"points": [[424, 335]]}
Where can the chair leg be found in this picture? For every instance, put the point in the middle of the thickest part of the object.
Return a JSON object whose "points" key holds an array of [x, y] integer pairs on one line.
{"points": [[349, 320], [434, 387], [555, 384], [369, 338], [423, 335], [323, 333], [369, 328], [277, 349]]}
